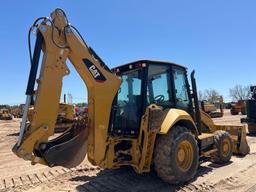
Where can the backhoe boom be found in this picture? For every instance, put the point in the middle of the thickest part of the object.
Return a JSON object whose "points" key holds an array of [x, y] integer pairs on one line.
{"points": [[59, 42]]}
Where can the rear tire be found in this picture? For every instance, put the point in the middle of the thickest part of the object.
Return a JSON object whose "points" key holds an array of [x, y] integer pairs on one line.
{"points": [[224, 144], [176, 155]]}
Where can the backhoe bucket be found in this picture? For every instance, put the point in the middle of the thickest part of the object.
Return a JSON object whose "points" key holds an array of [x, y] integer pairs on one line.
{"points": [[67, 150]]}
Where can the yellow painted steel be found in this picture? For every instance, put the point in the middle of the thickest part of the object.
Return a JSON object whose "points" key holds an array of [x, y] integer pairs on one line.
{"points": [[142, 148], [184, 157], [100, 98], [238, 133], [148, 138], [66, 111], [54, 68], [173, 116], [226, 146]]}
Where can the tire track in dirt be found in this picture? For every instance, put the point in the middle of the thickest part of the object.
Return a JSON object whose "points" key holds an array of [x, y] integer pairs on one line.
{"points": [[244, 180], [46, 178], [87, 178], [34, 179], [93, 179]]}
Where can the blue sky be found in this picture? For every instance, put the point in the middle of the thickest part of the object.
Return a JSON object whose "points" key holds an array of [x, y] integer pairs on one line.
{"points": [[216, 38]]}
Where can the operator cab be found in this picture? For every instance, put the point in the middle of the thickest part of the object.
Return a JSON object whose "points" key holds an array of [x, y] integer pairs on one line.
{"points": [[146, 82]]}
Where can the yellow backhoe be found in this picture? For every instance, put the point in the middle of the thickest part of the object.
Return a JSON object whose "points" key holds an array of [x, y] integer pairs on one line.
{"points": [[139, 114]]}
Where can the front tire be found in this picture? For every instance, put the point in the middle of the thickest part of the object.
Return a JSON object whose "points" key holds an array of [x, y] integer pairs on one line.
{"points": [[176, 155], [224, 144]]}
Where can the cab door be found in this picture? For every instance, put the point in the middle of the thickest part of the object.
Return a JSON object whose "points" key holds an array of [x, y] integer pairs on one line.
{"points": [[127, 109]]}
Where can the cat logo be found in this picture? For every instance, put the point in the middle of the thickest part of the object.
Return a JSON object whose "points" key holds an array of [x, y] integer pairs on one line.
{"points": [[95, 72]]}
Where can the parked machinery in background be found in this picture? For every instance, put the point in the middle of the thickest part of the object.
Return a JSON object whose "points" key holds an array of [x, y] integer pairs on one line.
{"points": [[215, 108], [5, 114], [251, 112], [81, 111], [239, 106], [65, 118], [16, 111]]}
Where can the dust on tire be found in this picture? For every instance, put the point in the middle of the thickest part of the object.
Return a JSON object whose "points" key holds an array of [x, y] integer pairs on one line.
{"points": [[165, 156], [219, 137]]}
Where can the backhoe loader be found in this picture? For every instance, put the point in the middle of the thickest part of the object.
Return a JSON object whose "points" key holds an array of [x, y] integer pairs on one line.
{"points": [[141, 114]]}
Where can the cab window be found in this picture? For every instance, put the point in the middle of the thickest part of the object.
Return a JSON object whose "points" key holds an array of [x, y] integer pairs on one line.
{"points": [[181, 89], [159, 89]]}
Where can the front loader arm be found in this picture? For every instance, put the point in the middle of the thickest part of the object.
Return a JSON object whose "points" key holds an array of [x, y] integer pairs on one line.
{"points": [[62, 42]]}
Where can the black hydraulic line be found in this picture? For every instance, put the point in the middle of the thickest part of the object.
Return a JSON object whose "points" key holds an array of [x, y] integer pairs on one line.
{"points": [[29, 34], [99, 59], [91, 50], [196, 103], [34, 65], [29, 45]]}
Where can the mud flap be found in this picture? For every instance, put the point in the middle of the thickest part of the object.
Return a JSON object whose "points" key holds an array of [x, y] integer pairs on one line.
{"points": [[67, 150]]}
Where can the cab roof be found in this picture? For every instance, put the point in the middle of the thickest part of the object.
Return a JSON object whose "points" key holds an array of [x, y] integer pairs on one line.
{"points": [[138, 64]]}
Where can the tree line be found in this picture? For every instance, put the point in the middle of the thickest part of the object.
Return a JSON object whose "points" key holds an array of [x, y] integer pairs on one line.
{"points": [[236, 93]]}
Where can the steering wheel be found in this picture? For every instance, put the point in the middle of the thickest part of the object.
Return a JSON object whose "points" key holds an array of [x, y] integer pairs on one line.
{"points": [[159, 98]]}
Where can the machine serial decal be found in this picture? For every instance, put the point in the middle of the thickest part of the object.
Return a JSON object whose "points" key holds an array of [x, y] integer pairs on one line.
{"points": [[95, 72]]}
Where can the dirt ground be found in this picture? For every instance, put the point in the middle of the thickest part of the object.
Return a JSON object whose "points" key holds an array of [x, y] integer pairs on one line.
{"points": [[18, 175]]}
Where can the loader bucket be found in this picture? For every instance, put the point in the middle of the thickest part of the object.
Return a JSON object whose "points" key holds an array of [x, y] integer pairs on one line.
{"points": [[238, 134]]}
